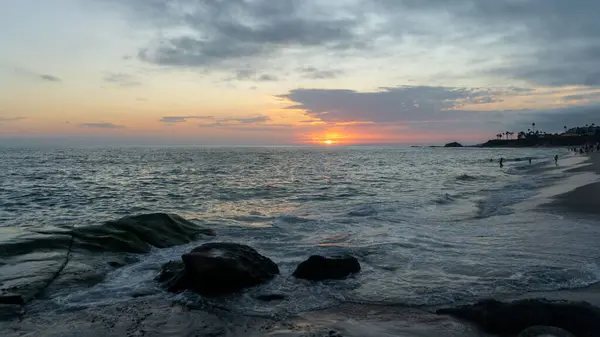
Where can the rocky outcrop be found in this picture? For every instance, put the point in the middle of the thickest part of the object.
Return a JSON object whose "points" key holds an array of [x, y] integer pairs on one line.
{"points": [[578, 318], [218, 268], [319, 268], [39, 262], [453, 144], [139, 233]]}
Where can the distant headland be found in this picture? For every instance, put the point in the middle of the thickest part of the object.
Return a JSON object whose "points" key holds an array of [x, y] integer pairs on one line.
{"points": [[577, 136]]}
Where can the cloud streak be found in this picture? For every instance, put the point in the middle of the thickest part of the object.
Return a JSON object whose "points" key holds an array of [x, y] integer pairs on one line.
{"points": [[11, 119], [101, 126], [49, 78], [183, 119], [122, 80]]}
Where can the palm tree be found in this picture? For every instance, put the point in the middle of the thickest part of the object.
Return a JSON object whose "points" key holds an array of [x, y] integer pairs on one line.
{"points": [[565, 127], [533, 126]]}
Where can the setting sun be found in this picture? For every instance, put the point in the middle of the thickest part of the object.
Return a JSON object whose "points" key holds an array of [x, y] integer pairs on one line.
{"points": [[328, 142]]}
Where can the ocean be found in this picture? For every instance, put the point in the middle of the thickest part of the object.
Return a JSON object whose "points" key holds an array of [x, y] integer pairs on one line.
{"points": [[430, 226]]}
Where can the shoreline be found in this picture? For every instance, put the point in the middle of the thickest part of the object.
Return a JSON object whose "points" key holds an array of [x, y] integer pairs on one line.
{"points": [[583, 199]]}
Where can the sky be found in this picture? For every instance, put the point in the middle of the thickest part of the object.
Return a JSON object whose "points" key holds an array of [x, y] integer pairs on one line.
{"points": [[295, 72]]}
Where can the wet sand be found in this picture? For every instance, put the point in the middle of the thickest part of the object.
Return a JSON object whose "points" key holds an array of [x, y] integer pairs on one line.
{"points": [[584, 199]]}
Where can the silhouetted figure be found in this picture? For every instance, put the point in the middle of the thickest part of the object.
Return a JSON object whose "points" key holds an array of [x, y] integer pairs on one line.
{"points": [[581, 151], [556, 159], [529, 160], [501, 162]]}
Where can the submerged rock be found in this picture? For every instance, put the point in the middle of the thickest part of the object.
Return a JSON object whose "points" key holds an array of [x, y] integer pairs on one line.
{"points": [[545, 331], [578, 318], [319, 268], [219, 268]]}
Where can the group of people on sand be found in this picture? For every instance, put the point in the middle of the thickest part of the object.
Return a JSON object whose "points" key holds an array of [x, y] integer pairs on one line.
{"points": [[502, 160], [587, 148]]}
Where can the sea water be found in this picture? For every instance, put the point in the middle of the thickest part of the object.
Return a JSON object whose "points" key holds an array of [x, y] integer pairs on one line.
{"points": [[430, 226]]}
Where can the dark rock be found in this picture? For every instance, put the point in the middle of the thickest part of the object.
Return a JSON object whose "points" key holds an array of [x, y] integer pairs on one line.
{"points": [[270, 297], [319, 268], [578, 318], [169, 270], [545, 331], [453, 144], [116, 264], [221, 268], [8, 298]]}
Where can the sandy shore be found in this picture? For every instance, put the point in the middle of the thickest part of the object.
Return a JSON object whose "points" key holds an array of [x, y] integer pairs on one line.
{"points": [[584, 199]]}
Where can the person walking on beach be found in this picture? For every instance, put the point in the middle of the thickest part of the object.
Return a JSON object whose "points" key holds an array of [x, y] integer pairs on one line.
{"points": [[501, 160], [556, 159], [529, 160]]}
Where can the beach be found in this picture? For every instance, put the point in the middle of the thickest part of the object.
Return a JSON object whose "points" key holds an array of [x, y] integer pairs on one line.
{"points": [[584, 199]]}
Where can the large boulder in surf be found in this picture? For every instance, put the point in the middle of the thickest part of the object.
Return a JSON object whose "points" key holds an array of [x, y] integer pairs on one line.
{"points": [[578, 318], [219, 268], [319, 268], [453, 144]]}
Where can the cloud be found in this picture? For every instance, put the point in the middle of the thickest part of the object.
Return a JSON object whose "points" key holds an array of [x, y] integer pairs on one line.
{"points": [[182, 119], [11, 119], [443, 110], [399, 104], [582, 97], [542, 42], [248, 120], [316, 74], [267, 78], [218, 33], [246, 74], [122, 80], [49, 78], [101, 126], [214, 121]]}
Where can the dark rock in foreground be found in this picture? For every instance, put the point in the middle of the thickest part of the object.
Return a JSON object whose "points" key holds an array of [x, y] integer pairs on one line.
{"points": [[319, 268], [217, 269], [579, 318], [270, 297], [453, 144], [545, 331], [8, 298]]}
